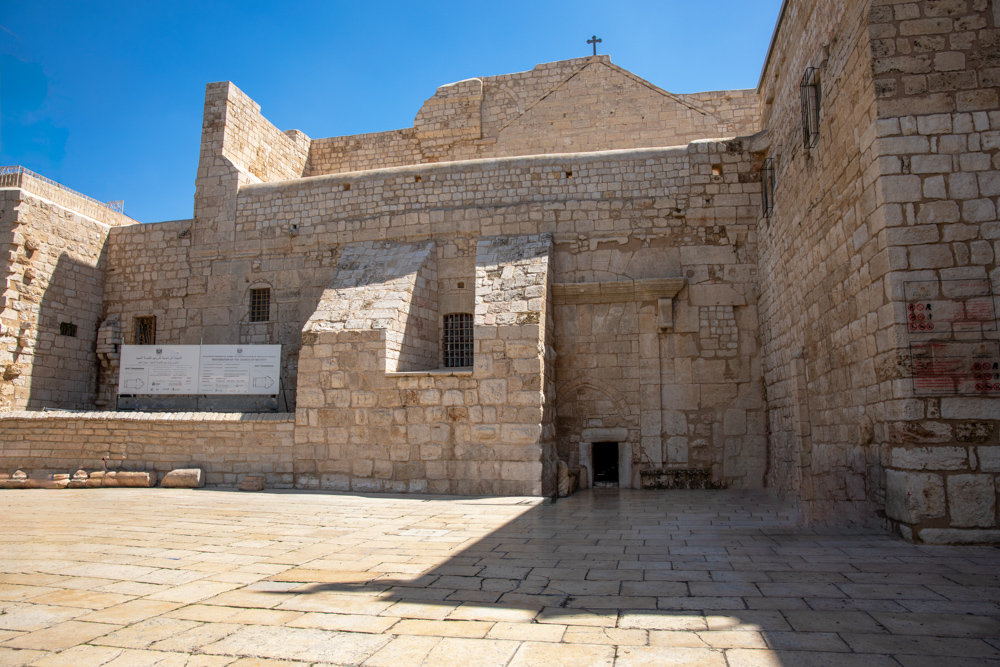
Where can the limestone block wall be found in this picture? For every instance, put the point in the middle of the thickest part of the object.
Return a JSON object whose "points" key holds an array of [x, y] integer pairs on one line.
{"points": [[826, 345], [585, 104], [54, 274], [936, 85], [626, 205], [683, 376], [359, 152], [238, 146], [388, 287], [363, 427], [226, 446]]}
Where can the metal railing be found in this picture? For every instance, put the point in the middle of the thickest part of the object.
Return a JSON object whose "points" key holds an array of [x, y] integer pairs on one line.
{"points": [[13, 177]]}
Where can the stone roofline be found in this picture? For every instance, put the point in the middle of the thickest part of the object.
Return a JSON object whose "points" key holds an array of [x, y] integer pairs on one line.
{"points": [[62, 196], [476, 166]]}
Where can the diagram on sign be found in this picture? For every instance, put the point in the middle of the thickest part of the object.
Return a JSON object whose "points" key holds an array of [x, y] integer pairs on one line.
{"points": [[158, 369], [947, 368], [949, 306], [240, 369]]}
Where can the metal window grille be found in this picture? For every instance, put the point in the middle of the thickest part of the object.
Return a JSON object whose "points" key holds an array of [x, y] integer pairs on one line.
{"points": [[458, 340], [144, 330], [809, 89], [67, 329], [767, 185], [260, 304]]}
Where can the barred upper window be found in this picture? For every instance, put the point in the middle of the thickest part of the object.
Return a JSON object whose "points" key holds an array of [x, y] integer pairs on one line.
{"points": [[767, 185], [458, 340], [809, 89], [260, 304], [144, 330]]}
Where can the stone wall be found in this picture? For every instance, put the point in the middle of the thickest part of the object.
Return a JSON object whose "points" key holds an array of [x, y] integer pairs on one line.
{"points": [[363, 427], [937, 73], [822, 271], [571, 106], [54, 273], [226, 446]]}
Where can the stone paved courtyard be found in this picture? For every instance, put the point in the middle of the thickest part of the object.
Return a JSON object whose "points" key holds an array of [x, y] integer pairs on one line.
{"points": [[142, 577]]}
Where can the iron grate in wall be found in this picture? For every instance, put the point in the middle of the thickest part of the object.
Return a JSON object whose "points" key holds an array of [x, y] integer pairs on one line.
{"points": [[767, 186], [458, 340], [809, 89], [144, 330], [260, 304]]}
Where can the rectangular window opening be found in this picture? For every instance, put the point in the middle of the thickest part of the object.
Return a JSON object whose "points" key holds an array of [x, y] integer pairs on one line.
{"points": [[260, 304], [144, 330], [67, 329], [458, 340], [809, 89]]}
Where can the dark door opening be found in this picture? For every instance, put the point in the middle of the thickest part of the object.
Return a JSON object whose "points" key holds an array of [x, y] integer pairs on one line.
{"points": [[605, 463]]}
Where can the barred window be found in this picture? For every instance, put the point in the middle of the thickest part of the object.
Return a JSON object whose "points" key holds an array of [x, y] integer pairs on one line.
{"points": [[260, 304], [809, 89], [144, 330], [767, 186], [457, 340], [67, 329]]}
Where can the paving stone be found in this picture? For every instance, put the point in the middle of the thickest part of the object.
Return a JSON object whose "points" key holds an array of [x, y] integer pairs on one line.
{"points": [[60, 636], [654, 656], [327, 622], [533, 654]]}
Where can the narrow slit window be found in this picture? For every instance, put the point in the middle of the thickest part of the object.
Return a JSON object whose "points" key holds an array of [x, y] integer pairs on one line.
{"points": [[260, 304], [458, 340], [144, 330], [809, 89], [767, 185]]}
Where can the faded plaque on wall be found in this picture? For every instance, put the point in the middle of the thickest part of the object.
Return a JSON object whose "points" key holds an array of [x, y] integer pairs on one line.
{"points": [[947, 368], [158, 369], [239, 369], [949, 306], [199, 369]]}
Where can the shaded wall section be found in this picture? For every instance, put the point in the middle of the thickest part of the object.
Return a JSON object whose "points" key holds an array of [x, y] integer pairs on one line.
{"points": [[54, 287]]}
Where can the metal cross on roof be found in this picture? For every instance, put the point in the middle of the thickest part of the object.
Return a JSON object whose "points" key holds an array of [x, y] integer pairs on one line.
{"points": [[595, 41]]}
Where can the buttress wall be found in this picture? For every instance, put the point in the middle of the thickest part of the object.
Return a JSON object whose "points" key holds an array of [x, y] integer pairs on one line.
{"points": [[823, 270], [54, 275]]}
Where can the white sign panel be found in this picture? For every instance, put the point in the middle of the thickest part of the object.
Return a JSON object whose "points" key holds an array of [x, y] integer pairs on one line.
{"points": [[158, 369], [239, 369], [199, 369]]}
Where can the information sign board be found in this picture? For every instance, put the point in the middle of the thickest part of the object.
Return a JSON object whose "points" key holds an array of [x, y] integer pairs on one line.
{"points": [[239, 369], [199, 369], [158, 369]]}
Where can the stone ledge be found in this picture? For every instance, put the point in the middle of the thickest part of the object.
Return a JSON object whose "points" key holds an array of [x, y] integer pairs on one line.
{"points": [[465, 371], [68, 415]]}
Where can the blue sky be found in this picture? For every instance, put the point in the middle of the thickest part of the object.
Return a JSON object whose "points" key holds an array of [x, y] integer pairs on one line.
{"points": [[106, 97]]}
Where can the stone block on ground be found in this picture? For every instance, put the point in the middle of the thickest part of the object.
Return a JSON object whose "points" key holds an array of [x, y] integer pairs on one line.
{"points": [[914, 497], [252, 483], [184, 478], [143, 480]]}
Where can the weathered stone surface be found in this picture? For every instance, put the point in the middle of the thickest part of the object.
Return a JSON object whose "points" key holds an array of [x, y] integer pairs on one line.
{"points": [[913, 497], [184, 478], [930, 458], [251, 483], [989, 458], [972, 501], [790, 347]]}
